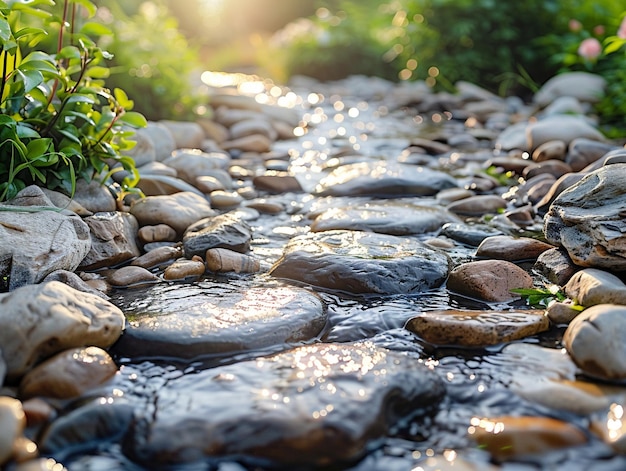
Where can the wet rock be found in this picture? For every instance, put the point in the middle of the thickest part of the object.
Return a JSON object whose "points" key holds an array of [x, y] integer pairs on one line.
{"points": [[583, 86], [583, 152], [113, 240], [214, 130], [178, 211], [489, 280], [156, 185], [157, 233], [221, 199], [68, 374], [37, 321], [248, 127], [478, 205], [207, 184], [252, 143], [222, 231], [94, 196], [513, 137], [224, 260], [39, 464], [550, 150], [507, 438], [453, 194], [38, 411], [511, 248], [264, 206], [563, 128], [556, 168], [611, 428], [212, 323], [451, 461], [131, 276], [383, 179], [185, 269], [192, 163], [12, 424], [595, 341], [74, 281], [562, 312], [277, 184], [86, 428], [469, 234], [158, 256], [161, 138], [384, 217], [362, 262], [560, 185], [34, 244], [476, 328], [591, 286], [322, 403], [588, 219], [187, 135]]}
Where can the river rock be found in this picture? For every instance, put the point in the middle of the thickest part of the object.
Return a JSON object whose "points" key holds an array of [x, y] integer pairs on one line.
{"points": [[63, 201], [362, 262], [384, 217], [224, 230], [131, 276], [584, 86], [559, 186], [143, 153], [591, 286], [564, 128], [611, 427], [113, 240], [158, 256], [162, 139], [511, 248], [383, 179], [68, 374], [469, 234], [94, 196], [550, 150], [513, 137], [248, 127], [37, 321], [178, 211], [508, 437], [324, 404], [224, 260], [252, 143], [595, 341], [588, 219], [185, 269], [212, 323], [12, 424], [34, 244], [155, 185], [74, 281], [192, 163], [489, 280], [279, 183], [221, 199], [562, 312], [478, 205], [583, 152], [157, 233], [477, 328], [186, 134]]}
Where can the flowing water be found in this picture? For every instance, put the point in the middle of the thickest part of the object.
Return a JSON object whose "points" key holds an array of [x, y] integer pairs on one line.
{"points": [[478, 381]]}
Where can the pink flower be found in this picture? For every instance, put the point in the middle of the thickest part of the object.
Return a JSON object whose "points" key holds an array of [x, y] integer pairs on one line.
{"points": [[575, 25], [621, 32], [599, 30], [590, 48]]}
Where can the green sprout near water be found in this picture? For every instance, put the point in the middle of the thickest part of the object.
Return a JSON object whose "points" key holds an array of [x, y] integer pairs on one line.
{"points": [[542, 297]]}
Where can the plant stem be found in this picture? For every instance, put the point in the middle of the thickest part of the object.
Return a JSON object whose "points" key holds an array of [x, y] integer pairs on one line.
{"points": [[59, 47], [4, 77]]}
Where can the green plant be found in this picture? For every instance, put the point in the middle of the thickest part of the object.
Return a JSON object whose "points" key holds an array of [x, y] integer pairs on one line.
{"points": [[542, 297], [58, 122]]}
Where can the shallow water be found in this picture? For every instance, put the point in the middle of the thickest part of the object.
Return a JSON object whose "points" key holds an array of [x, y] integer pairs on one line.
{"points": [[477, 380]]}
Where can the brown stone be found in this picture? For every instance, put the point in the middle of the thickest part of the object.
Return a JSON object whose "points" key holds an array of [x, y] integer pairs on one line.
{"points": [[511, 248]]}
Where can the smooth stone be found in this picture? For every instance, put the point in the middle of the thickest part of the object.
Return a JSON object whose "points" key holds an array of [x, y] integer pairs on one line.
{"points": [[556, 168], [477, 328], [564, 128], [469, 234], [186, 134], [453, 194], [38, 411], [35, 244], [489, 280], [225, 230], [37, 321], [158, 256], [611, 427], [214, 130], [478, 205], [69, 374], [221, 199], [592, 229], [157, 185], [161, 137], [503, 247], [218, 323], [384, 217], [113, 240], [156, 169], [451, 461], [595, 341], [131, 276], [564, 105], [12, 424], [242, 103], [560, 185], [362, 262], [277, 184], [311, 398], [383, 179], [583, 152], [583, 86], [224, 260], [206, 181], [143, 152], [227, 116], [192, 163], [157, 233], [97, 422], [264, 206], [561, 312], [74, 281], [513, 137], [249, 127], [507, 437], [536, 188], [550, 150], [39, 464], [591, 286], [65, 202], [178, 211], [207, 184], [94, 197], [184, 269], [252, 143]]}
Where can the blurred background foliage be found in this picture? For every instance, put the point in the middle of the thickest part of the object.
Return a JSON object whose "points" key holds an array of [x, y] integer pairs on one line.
{"points": [[162, 46]]}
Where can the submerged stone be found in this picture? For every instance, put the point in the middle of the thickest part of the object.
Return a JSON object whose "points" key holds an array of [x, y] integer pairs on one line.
{"points": [[222, 231], [314, 405], [362, 262], [197, 322], [384, 179]]}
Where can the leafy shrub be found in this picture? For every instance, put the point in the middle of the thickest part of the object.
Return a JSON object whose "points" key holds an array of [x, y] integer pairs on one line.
{"points": [[57, 120]]}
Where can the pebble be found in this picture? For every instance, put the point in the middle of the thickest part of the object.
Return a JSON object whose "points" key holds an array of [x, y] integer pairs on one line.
{"points": [[131, 276], [224, 260], [12, 424], [158, 256], [611, 427], [513, 249], [221, 199], [591, 286], [477, 205], [185, 269], [157, 233], [278, 183]]}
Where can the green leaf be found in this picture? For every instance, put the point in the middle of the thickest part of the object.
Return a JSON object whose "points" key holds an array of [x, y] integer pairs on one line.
{"points": [[69, 52], [98, 72], [30, 32], [71, 133], [122, 98], [5, 31], [37, 147], [95, 29], [31, 79], [134, 119], [79, 98], [24, 131], [89, 6]]}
